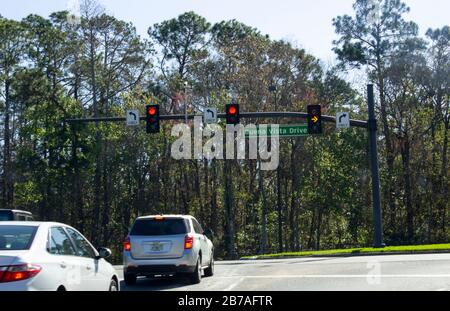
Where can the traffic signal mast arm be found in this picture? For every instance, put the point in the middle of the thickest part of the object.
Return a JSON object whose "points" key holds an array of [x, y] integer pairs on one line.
{"points": [[300, 115], [314, 119]]}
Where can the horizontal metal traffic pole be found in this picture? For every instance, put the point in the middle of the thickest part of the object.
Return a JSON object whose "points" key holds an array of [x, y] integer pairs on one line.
{"points": [[300, 115]]}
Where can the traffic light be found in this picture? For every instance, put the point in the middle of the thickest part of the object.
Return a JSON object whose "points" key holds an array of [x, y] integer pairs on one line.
{"points": [[314, 119], [232, 113], [152, 118]]}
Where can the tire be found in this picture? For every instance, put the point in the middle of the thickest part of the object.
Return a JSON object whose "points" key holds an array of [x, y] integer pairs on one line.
{"points": [[130, 279], [196, 276], [113, 286], [210, 270]]}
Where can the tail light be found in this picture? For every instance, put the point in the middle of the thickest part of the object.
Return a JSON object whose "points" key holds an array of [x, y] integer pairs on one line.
{"points": [[188, 241], [127, 244], [18, 273]]}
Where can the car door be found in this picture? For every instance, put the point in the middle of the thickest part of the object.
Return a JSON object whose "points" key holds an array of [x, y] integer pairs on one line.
{"points": [[203, 242], [93, 270], [63, 264]]}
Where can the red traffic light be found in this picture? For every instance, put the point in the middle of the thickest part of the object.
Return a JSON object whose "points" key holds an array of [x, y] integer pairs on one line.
{"points": [[152, 118], [232, 113], [152, 111], [232, 110]]}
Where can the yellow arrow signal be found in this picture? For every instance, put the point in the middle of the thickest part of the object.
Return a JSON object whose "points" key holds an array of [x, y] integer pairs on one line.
{"points": [[315, 119]]}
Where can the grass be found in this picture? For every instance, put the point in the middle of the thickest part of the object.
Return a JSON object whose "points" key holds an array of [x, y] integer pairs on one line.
{"points": [[410, 249]]}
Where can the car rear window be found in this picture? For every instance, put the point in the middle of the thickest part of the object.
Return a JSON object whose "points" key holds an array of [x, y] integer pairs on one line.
{"points": [[166, 226], [16, 238], [6, 215]]}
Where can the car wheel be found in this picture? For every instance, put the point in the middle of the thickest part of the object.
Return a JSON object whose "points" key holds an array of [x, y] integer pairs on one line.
{"points": [[196, 276], [113, 286], [210, 270], [130, 279]]}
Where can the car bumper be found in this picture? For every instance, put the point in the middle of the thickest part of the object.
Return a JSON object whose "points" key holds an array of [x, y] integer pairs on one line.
{"points": [[22, 286], [152, 267], [154, 270]]}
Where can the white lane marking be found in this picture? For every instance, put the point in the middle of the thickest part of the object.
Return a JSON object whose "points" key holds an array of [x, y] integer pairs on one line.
{"points": [[303, 276], [229, 288]]}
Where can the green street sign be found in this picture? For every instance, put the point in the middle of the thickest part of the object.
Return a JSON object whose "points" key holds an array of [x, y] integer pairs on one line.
{"points": [[285, 130]]}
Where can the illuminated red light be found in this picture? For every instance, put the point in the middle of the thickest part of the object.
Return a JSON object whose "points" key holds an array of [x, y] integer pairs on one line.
{"points": [[127, 245], [152, 111], [18, 273], [18, 276], [188, 241], [232, 110]]}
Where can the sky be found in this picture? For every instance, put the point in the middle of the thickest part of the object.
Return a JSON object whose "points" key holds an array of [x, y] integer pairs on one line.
{"points": [[305, 23]]}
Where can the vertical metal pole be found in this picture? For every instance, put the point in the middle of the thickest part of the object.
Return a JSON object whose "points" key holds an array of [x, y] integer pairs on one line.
{"points": [[185, 107], [378, 238], [185, 102]]}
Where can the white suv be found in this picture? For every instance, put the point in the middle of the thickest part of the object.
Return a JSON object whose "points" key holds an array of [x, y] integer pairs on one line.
{"points": [[166, 245]]}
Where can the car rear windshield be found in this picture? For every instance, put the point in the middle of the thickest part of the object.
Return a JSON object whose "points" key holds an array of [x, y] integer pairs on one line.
{"points": [[16, 238], [6, 215], [166, 226]]}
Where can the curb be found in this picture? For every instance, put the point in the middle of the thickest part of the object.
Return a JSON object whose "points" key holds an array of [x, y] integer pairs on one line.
{"points": [[355, 254]]}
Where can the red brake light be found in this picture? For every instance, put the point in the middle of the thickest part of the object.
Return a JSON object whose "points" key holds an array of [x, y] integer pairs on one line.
{"points": [[188, 241], [127, 244], [18, 273], [159, 217], [2, 272]]}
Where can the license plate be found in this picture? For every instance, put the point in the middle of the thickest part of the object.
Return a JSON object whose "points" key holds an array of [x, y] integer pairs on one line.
{"points": [[156, 247]]}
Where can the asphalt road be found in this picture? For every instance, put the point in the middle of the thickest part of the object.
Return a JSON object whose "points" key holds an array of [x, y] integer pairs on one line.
{"points": [[430, 272]]}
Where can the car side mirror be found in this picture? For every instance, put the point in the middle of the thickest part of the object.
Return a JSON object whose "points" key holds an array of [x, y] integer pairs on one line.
{"points": [[208, 232], [104, 252]]}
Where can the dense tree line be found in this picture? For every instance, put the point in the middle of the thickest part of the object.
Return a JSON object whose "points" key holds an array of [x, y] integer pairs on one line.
{"points": [[99, 177]]}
